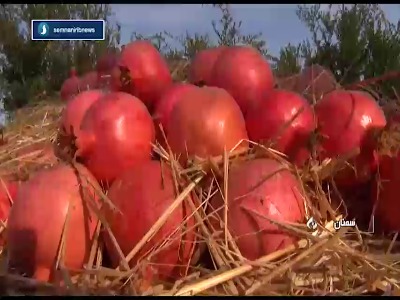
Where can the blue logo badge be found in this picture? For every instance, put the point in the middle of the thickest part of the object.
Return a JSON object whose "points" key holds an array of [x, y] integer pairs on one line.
{"points": [[43, 29]]}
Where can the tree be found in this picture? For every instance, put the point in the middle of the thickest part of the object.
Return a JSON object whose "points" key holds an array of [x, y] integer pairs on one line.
{"points": [[289, 61], [228, 32], [30, 67], [354, 41]]}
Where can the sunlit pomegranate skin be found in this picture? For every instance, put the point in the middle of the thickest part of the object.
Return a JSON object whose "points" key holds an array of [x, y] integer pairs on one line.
{"points": [[53, 199], [346, 120], [167, 102], [200, 70], [143, 72], [244, 73], [76, 108], [259, 190], [275, 118], [206, 124], [116, 133], [143, 194]]}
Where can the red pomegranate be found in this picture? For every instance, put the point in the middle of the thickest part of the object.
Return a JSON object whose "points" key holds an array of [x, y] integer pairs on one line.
{"points": [[202, 64], [166, 103], [244, 73], [70, 87], [9, 189], [143, 72], [315, 81], [275, 118], [8, 192], [257, 190], [204, 123], [89, 81], [116, 133], [106, 63], [143, 194], [54, 201], [385, 193], [288, 83], [345, 121], [105, 66], [75, 110]]}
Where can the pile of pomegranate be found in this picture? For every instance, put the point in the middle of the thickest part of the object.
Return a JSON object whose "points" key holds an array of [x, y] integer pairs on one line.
{"points": [[231, 103]]}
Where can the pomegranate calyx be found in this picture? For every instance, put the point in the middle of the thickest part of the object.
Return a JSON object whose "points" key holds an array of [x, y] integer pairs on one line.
{"points": [[124, 77], [84, 143]]}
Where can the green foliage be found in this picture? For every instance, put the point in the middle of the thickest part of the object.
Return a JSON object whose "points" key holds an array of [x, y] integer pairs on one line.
{"points": [[288, 62], [354, 41], [160, 40], [31, 67], [228, 31]]}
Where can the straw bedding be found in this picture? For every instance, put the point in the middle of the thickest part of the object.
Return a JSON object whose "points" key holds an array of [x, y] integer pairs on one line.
{"points": [[322, 262]]}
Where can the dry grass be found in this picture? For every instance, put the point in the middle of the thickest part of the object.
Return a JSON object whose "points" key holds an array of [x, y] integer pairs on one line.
{"points": [[322, 262], [28, 140]]}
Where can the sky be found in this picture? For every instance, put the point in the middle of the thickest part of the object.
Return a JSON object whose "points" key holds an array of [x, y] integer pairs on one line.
{"points": [[277, 22]]}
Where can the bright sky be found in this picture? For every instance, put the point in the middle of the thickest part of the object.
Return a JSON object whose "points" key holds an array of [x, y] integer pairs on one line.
{"points": [[278, 22]]}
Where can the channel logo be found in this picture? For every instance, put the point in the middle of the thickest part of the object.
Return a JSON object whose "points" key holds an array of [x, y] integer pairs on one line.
{"points": [[68, 30], [43, 29]]}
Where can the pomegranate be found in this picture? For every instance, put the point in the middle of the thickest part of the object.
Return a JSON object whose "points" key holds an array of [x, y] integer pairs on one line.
{"points": [[244, 73], [75, 110], [143, 194], [166, 103], [205, 124], [345, 120], [89, 81], [272, 118], [143, 72], [8, 192], [257, 190], [315, 81], [202, 64], [113, 83], [104, 67], [53, 198], [116, 133], [288, 83], [385, 193], [106, 63], [70, 87]]}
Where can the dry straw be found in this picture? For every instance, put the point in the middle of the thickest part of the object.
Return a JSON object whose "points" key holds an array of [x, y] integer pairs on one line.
{"points": [[322, 262]]}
